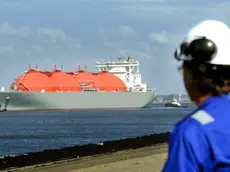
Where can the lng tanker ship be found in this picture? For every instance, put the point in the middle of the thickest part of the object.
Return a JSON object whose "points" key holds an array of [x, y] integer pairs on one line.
{"points": [[117, 85]]}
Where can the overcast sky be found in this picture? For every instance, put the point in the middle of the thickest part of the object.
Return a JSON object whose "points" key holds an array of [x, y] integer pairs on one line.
{"points": [[79, 32]]}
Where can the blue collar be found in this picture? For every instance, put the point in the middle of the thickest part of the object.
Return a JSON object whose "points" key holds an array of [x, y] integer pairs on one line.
{"points": [[213, 98], [205, 103]]}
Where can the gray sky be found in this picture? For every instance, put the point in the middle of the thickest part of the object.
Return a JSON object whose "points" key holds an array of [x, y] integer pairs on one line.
{"points": [[79, 32]]}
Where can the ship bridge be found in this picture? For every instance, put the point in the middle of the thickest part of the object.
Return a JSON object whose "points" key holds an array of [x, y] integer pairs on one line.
{"points": [[127, 70]]}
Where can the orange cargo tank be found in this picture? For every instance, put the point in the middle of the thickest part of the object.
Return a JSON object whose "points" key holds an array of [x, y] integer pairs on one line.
{"points": [[32, 81], [63, 81], [85, 79], [109, 82]]}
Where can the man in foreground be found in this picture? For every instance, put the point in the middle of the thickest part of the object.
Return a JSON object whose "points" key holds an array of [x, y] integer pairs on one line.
{"points": [[201, 141]]}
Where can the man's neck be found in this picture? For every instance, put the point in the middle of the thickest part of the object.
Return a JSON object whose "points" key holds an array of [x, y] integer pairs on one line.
{"points": [[201, 99]]}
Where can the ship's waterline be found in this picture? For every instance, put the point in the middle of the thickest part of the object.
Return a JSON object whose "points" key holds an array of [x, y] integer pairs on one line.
{"points": [[26, 101]]}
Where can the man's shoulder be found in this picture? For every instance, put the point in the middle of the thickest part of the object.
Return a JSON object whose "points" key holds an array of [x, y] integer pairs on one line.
{"points": [[194, 123], [198, 117]]}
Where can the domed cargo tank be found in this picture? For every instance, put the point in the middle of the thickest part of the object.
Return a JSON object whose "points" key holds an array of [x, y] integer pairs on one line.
{"points": [[32, 81], [109, 82], [64, 82], [85, 79]]}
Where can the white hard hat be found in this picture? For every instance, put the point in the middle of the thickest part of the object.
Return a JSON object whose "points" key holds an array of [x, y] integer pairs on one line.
{"points": [[211, 36]]}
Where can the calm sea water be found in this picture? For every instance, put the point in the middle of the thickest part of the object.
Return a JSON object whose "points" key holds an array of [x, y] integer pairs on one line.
{"points": [[37, 131]]}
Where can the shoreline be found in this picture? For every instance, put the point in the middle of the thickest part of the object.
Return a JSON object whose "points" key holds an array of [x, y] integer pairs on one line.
{"points": [[146, 158], [76, 152]]}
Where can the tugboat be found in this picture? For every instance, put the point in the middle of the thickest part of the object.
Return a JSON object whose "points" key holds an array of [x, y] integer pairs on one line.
{"points": [[175, 103], [4, 109]]}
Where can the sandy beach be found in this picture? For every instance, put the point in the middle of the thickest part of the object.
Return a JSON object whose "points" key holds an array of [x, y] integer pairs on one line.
{"points": [[139, 160]]}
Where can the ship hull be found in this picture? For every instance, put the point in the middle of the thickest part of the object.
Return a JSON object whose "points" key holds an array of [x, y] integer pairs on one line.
{"points": [[30, 101]]}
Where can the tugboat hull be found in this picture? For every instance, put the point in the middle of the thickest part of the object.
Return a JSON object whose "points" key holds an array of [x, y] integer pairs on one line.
{"points": [[175, 106]]}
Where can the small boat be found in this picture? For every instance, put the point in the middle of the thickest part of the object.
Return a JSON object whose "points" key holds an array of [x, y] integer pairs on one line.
{"points": [[175, 103]]}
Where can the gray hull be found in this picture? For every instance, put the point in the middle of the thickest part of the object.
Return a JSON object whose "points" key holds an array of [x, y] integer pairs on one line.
{"points": [[24, 101]]}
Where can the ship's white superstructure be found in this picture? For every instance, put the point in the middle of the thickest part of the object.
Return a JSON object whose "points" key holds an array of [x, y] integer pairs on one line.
{"points": [[128, 71]]}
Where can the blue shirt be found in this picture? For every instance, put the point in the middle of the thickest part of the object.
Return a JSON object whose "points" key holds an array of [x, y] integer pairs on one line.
{"points": [[201, 141]]}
